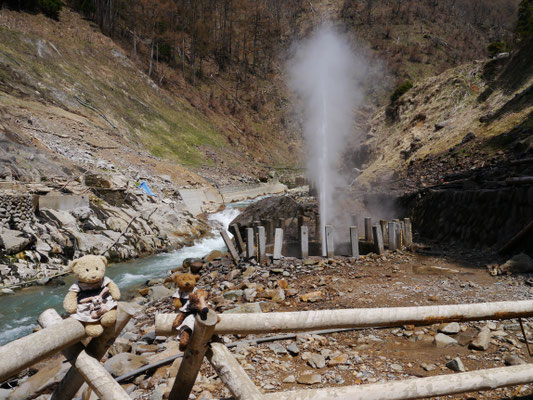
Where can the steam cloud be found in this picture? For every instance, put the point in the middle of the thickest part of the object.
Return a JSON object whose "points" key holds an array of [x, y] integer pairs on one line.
{"points": [[327, 75]]}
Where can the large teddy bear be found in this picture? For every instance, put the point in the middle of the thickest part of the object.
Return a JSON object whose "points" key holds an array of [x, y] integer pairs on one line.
{"points": [[93, 298]]}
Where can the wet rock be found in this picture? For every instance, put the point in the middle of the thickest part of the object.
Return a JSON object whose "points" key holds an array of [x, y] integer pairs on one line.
{"points": [[311, 297], [451, 328], [456, 365], [512, 359], [309, 378], [482, 341], [123, 363], [13, 242], [442, 340]]}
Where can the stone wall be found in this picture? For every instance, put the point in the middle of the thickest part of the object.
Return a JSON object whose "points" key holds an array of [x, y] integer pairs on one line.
{"points": [[481, 218], [16, 209]]}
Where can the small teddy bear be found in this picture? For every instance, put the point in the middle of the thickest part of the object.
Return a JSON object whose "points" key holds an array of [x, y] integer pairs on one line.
{"points": [[93, 298], [189, 301]]}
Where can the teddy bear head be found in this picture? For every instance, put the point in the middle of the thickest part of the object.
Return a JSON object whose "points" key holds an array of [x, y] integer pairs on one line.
{"points": [[185, 282], [89, 269], [198, 302]]}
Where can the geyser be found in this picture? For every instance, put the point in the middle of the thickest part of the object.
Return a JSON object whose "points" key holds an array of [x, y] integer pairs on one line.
{"points": [[327, 75]]}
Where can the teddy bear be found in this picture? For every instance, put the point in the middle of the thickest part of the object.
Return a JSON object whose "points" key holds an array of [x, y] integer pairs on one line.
{"points": [[93, 298], [189, 301]]}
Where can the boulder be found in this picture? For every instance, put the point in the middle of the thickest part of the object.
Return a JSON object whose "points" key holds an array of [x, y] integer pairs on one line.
{"points": [[159, 292], [13, 242], [482, 340], [450, 328], [456, 365], [442, 340]]}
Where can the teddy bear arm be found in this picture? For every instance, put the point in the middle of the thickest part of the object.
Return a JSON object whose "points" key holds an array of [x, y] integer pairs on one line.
{"points": [[70, 303], [177, 303], [114, 291]]}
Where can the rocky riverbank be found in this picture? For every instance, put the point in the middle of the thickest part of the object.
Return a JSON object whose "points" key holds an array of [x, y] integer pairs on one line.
{"points": [[44, 226], [324, 360]]}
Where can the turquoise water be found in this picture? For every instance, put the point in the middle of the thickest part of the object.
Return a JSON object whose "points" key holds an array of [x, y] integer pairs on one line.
{"points": [[19, 311]]}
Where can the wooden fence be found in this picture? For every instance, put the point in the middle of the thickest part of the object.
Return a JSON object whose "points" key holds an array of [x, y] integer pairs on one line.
{"points": [[242, 387]]}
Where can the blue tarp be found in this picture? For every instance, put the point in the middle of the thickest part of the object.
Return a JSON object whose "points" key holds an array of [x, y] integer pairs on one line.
{"points": [[144, 187]]}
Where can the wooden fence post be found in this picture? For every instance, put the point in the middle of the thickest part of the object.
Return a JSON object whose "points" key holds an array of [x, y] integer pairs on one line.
{"points": [[91, 370], [97, 347], [238, 238], [193, 356]]}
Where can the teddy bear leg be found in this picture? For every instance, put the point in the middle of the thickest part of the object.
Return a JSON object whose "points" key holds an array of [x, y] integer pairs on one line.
{"points": [[93, 329], [184, 339], [109, 318], [178, 320]]}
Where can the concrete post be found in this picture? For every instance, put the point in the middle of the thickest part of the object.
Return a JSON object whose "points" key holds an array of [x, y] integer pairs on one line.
{"points": [[392, 236], [378, 239], [368, 229], [384, 233], [231, 248], [278, 245], [250, 245], [398, 228], [304, 242], [261, 244], [270, 230], [330, 246], [408, 233], [354, 240], [238, 238]]}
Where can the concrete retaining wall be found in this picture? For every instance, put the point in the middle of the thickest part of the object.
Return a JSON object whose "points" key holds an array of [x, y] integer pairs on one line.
{"points": [[478, 217], [198, 201], [63, 202]]}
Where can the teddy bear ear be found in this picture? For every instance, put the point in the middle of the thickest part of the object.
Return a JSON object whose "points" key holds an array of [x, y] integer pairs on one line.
{"points": [[196, 278], [104, 260], [73, 264]]}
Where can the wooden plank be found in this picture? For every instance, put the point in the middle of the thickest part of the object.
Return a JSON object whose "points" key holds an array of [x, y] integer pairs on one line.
{"points": [[231, 248], [238, 238]]}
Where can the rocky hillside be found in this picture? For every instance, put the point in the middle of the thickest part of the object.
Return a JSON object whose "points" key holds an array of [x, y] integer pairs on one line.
{"points": [[72, 100], [467, 117]]}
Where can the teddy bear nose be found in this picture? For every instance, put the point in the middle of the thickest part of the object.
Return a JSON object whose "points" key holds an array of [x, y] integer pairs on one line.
{"points": [[187, 284]]}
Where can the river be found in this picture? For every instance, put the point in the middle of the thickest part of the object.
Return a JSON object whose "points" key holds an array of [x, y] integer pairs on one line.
{"points": [[19, 311]]}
